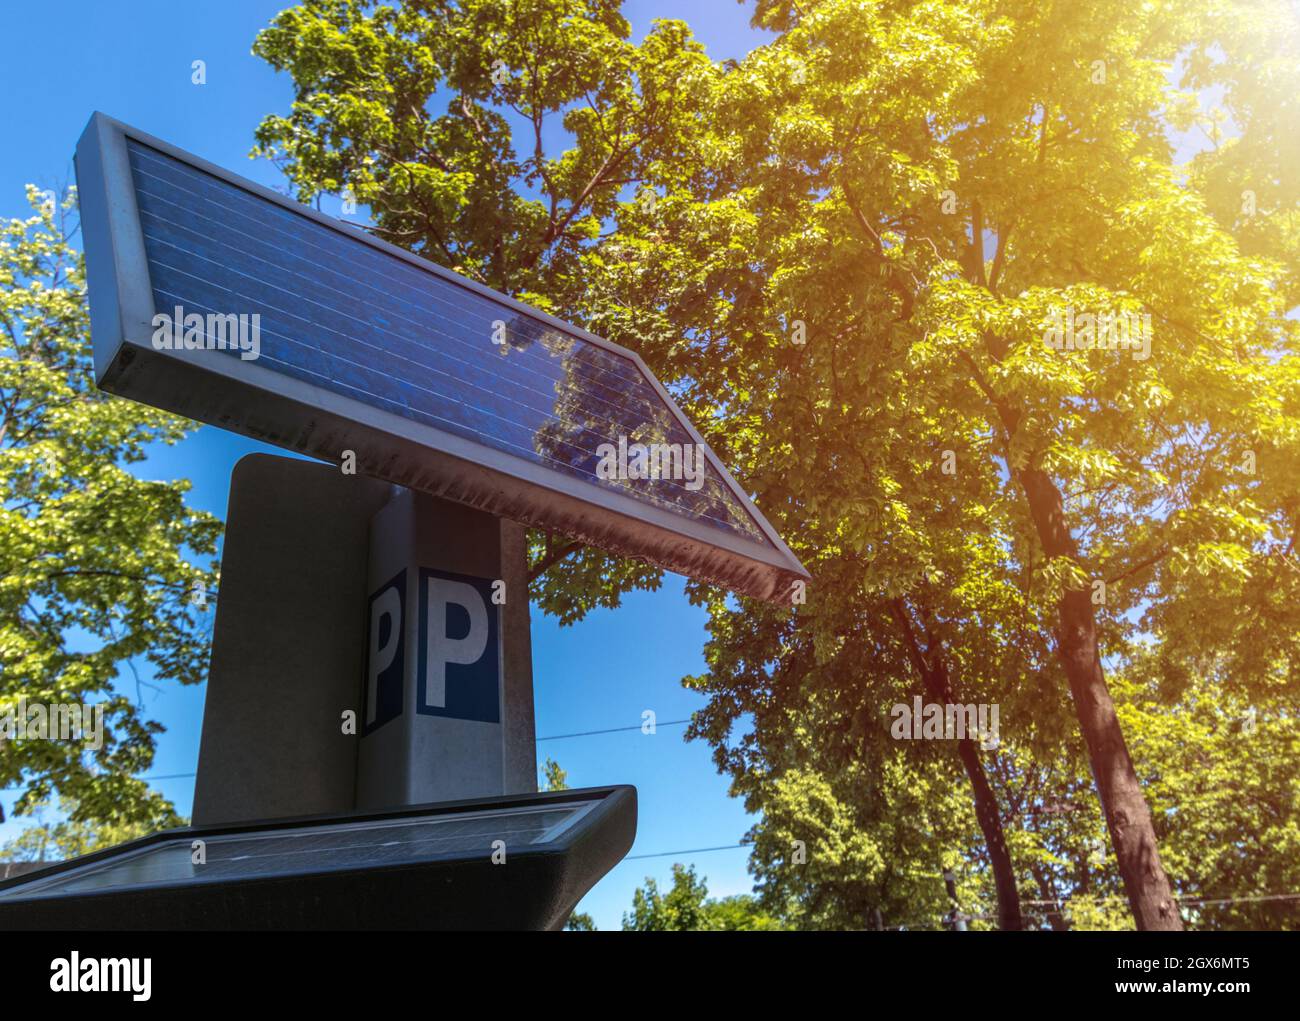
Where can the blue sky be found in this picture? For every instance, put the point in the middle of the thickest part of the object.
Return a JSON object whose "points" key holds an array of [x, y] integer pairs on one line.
{"points": [[133, 61]]}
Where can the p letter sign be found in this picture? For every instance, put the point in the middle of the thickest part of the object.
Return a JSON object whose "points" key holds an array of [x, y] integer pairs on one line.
{"points": [[458, 647]]}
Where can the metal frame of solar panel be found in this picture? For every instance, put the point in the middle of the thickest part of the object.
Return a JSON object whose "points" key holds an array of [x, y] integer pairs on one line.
{"points": [[366, 347], [424, 867]]}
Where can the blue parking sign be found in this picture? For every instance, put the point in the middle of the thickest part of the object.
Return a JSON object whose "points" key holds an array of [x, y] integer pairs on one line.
{"points": [[385, 654], [459, 667]]}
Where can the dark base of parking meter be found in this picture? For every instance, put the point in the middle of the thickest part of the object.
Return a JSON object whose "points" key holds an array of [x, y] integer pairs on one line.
{"points": [[515, 862]]}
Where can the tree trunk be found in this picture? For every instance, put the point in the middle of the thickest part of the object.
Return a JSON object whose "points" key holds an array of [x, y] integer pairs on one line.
{"points": [[986, 811], [1128, 817], [1047, 888], [934, 676]]}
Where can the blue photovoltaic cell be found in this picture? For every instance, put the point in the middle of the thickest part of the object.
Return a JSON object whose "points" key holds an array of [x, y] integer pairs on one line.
{"points": [[342, 315], [312, 849]]}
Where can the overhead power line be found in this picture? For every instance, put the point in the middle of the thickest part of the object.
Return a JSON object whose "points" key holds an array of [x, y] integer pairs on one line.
{"points": [[695, 850], [549, 737], [610, 730]]}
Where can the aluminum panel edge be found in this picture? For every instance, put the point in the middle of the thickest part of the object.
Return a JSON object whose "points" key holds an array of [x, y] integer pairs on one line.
{"points": [[117, 270]]}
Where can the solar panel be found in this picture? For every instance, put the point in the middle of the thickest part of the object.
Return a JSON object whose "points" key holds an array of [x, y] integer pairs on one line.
{"points": [[435, 381], [558, 843], [315, 849]]}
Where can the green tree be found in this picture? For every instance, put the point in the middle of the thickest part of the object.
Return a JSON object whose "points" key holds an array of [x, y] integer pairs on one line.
{"points": [[1247, 176], [554, 776], [679, 910], [740, 912], [98, 567], [74, 835], [686, 907], [924, 202], [1220, 769]]}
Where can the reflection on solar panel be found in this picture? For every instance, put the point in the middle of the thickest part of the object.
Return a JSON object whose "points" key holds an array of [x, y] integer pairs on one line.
{"points": [[520, 861], [364, 323], [430, 378], [315, 849]]}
